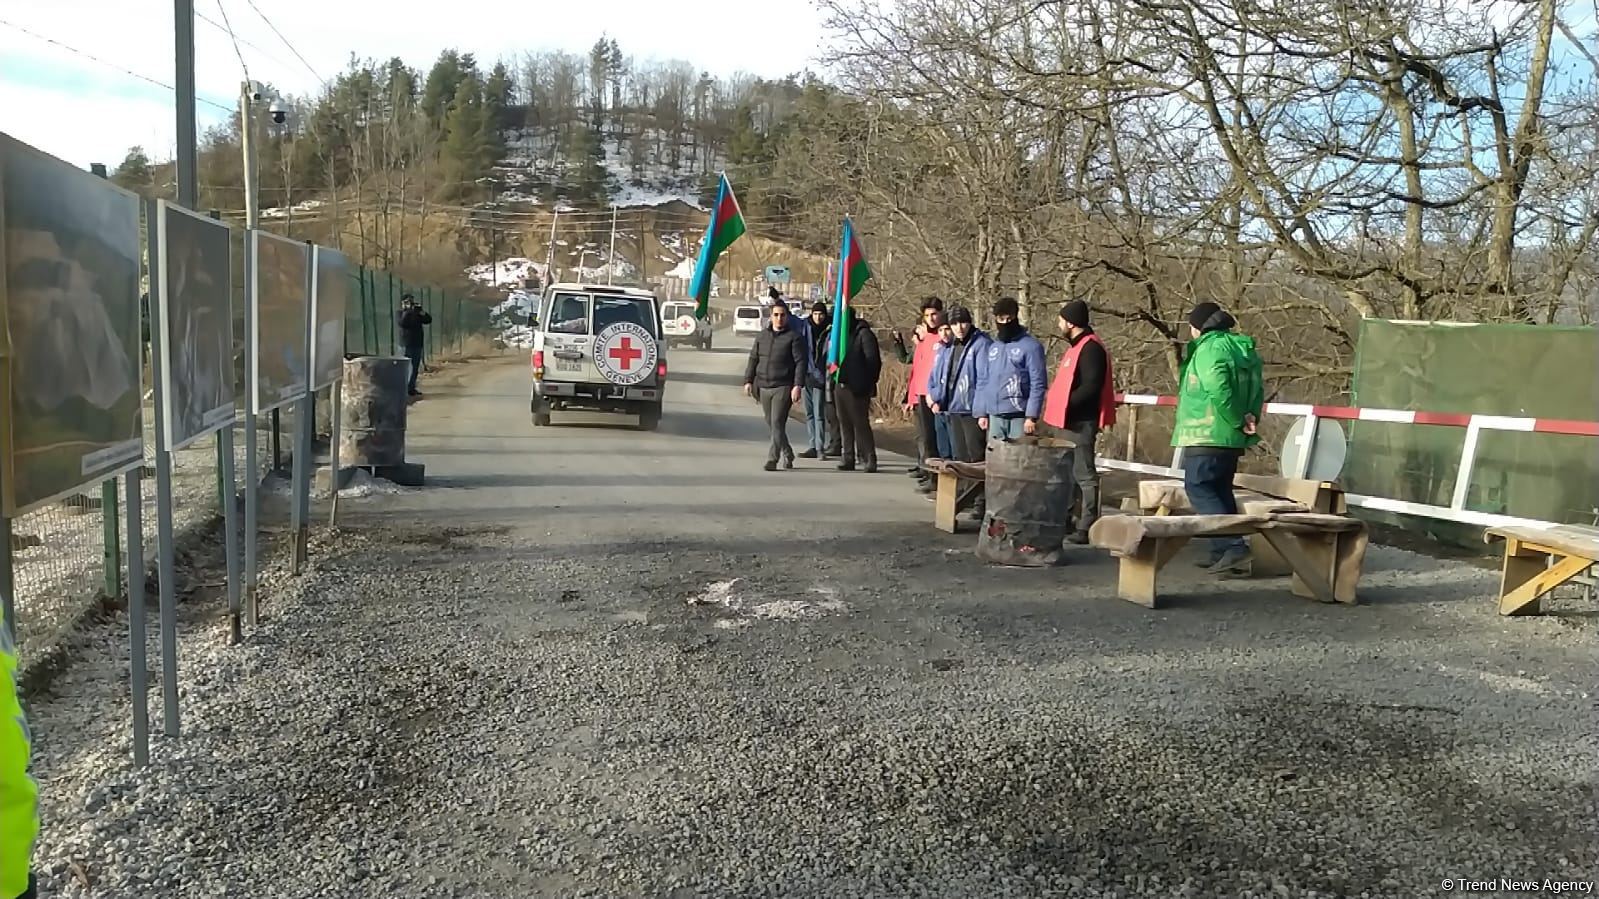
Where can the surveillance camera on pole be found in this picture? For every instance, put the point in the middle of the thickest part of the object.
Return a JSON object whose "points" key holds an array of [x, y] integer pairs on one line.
{"points": [[279, 112]]}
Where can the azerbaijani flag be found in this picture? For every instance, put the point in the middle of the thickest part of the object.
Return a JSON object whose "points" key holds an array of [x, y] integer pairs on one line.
{"points": [[727, 225], [853, 274]]}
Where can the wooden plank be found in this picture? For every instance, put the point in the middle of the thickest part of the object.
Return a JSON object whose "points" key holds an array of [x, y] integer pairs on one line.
{"points": [[1311, 557], [1137, 574], [1564, 540], [1319, 496], [946, 501], [1527, 578]]}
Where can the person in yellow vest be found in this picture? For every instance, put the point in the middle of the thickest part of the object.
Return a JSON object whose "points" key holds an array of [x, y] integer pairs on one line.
{"points": [[19, 795]]}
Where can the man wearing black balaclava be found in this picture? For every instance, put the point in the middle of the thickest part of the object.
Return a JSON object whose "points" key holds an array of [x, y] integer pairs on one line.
{"points": [[1012, 379]]}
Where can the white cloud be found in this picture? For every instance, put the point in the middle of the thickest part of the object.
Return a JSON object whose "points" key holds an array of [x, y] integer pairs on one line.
{"points": [[80, 122]]}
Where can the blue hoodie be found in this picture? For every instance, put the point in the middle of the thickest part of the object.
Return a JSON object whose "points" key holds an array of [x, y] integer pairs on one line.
{"points": [[936, 387], [1012, 379], [960, 397]]}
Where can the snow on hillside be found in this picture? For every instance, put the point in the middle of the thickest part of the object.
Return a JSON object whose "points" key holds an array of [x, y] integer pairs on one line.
{"points": [[511, 272], [535, 166], [683, 270]]}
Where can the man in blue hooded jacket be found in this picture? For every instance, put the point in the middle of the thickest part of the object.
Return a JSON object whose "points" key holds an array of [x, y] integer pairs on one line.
{"points": [[1013, 378]]}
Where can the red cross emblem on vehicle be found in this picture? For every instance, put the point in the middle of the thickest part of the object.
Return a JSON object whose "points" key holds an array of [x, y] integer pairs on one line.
{"points": [[625, 353]]}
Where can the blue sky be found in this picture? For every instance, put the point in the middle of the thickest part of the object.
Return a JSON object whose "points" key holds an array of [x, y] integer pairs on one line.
{"points": [[86, 111]]}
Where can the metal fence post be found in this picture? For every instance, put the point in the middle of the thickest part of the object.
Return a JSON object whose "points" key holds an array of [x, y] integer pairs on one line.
{"points": [[109, 517], [392, 350], [110, 531]]}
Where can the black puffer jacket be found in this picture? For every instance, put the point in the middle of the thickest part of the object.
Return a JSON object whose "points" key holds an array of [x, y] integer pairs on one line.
{"points": [[863, 360], [777, 360]]}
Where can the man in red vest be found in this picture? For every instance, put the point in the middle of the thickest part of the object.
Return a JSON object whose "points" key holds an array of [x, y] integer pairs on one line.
{"points": [[1080, 403]]}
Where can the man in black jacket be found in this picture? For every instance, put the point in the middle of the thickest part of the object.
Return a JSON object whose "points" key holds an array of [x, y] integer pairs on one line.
{"points": [[1080, 404], [776, 375], [410, 319], [857, 386], [818, 420]]}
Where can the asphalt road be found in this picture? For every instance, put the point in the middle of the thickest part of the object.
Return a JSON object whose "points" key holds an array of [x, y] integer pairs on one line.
{"points": [[587, 660]]}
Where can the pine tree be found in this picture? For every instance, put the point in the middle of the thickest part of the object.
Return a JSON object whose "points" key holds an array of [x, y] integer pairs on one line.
{"points": [[443, 81], [599, 73], [497, 96], [135, 172], [464, 152], [585, 169]]}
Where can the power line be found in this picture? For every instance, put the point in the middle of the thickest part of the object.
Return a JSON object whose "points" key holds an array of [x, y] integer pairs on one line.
{"points": [[229, 32], [110, 65], [286, 43], [235, 39]]}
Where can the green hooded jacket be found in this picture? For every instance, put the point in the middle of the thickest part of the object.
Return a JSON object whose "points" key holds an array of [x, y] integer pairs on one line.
{"points": [[1222, 381], [19, 795]]}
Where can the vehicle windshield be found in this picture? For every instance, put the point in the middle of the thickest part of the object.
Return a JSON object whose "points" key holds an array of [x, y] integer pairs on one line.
{"points": [[610, 310], [748, 312], [678, 310]]}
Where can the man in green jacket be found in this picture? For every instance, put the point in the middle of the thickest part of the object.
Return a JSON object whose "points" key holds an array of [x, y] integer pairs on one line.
{"points": [[19, 795], [1221, 392]]}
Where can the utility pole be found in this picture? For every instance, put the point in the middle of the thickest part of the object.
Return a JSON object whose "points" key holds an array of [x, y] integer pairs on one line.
{"points": [[188, 139], [252, 221], [643, 253], [549, 257], [494, 231], [610, 259]]}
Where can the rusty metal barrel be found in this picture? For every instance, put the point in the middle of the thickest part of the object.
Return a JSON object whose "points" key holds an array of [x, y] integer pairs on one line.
{"points": [[1029, 491], [372, 430]]}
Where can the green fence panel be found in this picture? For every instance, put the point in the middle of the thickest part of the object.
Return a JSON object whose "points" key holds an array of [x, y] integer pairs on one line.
{"points": [[1531, 371]]}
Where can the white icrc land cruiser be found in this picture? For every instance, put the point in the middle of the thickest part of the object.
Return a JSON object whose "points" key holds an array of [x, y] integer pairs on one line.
{"points": [[599, 348]]}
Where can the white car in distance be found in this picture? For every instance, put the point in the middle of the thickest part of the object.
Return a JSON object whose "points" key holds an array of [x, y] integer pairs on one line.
{"points": [[747, 320]]}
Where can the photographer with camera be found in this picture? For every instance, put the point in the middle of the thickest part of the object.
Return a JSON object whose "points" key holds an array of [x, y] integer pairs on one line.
{"points": [[411, 318]]}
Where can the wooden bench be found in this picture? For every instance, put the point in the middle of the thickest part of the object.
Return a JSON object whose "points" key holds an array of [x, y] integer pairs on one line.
{"points": [[953, 497], [1325, 552], [1537, 560], [1170, 497]]}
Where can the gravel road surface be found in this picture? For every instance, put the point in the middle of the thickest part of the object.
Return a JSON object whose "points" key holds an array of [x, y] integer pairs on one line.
{"points": [[591, 661]]}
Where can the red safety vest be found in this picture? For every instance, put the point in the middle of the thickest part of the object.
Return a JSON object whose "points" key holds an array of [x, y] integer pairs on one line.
{"points": [[1060, 392], [922, 366]]}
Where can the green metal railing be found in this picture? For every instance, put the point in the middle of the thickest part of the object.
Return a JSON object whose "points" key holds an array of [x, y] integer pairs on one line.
{"points": [[370, 322]]}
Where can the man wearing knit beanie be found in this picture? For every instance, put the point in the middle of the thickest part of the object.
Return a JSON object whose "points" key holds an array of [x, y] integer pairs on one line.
{"points": [[1220, 394], [1080, 403]]}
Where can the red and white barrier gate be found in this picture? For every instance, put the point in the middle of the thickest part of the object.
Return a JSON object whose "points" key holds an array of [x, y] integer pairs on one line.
{"points": [[1474, 425]]}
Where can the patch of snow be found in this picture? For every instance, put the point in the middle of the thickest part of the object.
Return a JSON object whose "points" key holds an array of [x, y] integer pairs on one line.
{"points": [[363, 484], [721, 593], [510, 271], [278, 212], [519, 336], [685, 271]]}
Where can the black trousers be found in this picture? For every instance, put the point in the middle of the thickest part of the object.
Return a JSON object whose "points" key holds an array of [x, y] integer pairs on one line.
{"points": [[856, 441], [971, 445], [1085, 473], [834, 438], [926, 435]]}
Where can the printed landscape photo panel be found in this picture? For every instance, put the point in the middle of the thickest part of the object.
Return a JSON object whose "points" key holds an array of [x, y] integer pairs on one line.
{"points": [[71, 347], [195, 314], [282, 304], [330, 296]]}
